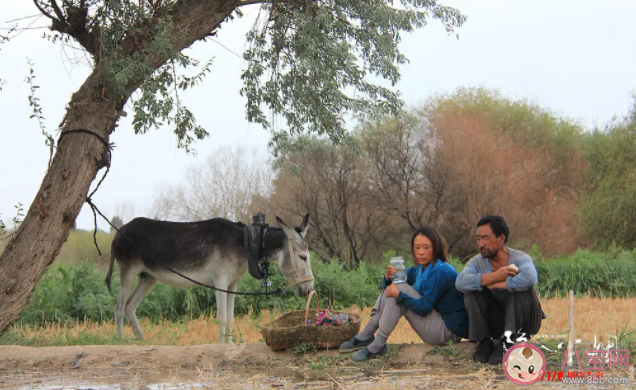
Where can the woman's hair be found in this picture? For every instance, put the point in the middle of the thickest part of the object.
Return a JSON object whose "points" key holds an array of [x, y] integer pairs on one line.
{"points": [[440, 251]]}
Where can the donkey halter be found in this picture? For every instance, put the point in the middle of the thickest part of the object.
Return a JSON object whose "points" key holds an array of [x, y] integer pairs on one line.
{"points": [[297, 277]]}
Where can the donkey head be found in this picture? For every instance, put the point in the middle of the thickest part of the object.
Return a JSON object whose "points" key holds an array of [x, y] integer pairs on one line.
{"points": [[294, 260]]}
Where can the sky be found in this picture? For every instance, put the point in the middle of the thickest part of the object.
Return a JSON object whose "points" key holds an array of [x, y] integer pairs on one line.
{"points": [[575, 57]]}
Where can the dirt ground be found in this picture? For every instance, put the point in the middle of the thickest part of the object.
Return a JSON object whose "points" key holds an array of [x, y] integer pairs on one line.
{"points": [[244, 366]]}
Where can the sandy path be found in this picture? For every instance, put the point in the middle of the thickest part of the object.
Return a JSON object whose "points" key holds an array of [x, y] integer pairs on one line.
{"points": [[235, 366]]}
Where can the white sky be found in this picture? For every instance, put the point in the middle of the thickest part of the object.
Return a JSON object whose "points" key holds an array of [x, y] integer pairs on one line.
{"points": [[575, 57]]}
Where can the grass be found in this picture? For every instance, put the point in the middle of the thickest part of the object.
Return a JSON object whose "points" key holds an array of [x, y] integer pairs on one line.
{"points": [[304, 348], [600, 317], [608, 274], [70, 294], [74, 293], [445, 351]]}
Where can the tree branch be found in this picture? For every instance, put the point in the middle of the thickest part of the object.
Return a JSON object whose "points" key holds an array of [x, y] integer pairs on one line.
{"points": [[193, 20], [43, 11], [57, 10]]}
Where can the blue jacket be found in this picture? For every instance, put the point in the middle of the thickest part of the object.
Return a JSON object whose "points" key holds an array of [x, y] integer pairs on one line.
{"points": [[438, 292]]}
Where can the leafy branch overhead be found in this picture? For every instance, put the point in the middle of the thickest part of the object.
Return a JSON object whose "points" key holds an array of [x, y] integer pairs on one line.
{"points": [[308, 62], [36, 109]]}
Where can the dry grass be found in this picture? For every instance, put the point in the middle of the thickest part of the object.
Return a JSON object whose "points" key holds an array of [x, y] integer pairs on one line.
{"points": [[593, 317]]}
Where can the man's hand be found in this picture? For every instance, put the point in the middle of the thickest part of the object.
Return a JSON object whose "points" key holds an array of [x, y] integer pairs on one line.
{"points": [[500, 285], [498, 276], [503, 273], [392, 291], [390, 273]]}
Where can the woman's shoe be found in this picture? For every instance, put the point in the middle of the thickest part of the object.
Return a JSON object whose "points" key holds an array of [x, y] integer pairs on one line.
{"points": [[364, 354], [354, 344]]}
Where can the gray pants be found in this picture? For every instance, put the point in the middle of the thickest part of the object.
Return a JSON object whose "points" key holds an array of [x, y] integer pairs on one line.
{"points": [[387, 313]]}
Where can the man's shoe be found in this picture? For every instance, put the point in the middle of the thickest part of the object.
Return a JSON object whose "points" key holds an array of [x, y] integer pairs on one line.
{"points": [[354, 344], [364, 354], [498, 353], [484, 350]]}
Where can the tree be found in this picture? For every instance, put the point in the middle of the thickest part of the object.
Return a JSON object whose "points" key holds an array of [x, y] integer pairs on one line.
{"points": [[447, 163], [607, 209], [117, 223], [303, 55], [494, 155], [332, 187], [223, 186], [397, 154], [125, 211]]}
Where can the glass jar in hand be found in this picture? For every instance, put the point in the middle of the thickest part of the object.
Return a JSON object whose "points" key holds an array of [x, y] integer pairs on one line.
{"points": [[400, 269]]}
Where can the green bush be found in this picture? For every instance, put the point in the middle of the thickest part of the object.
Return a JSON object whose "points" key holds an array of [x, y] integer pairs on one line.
{"points": [[609, 274], [74, 293], [607, 205], [69, 293]]}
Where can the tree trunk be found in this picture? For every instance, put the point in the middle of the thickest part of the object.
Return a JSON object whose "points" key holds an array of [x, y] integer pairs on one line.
{"points": [[58, 202], [77, 160]]}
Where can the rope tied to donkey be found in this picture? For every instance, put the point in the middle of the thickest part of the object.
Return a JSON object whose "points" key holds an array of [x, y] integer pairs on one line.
{"points": [[95, 210]]}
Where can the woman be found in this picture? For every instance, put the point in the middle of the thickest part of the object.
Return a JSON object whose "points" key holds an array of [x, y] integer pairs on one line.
{"points": [[428, 300]]}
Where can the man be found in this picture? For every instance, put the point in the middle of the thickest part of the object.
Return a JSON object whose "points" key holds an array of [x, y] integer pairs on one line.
{"points": [[498, 286]]}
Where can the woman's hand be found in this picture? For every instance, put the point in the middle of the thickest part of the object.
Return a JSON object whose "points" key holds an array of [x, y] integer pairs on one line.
{"points": [[392, 291], [390, 273]]}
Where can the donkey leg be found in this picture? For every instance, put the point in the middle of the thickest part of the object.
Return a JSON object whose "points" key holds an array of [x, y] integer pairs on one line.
{"points": [[145, 283], [230, 312], [221, 311], [126, 279]]}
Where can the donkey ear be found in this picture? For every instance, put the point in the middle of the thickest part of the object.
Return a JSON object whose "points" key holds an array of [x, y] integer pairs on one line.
{"points": [[288, 230], [302, 229]]}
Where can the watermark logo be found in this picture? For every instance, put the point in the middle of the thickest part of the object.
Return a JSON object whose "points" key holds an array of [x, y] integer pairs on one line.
{"points": [[524, 364], [598, 359], [579, 368]]}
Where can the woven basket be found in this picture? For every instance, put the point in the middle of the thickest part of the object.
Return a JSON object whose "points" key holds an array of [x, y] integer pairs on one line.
{"points": [[291, 329]]}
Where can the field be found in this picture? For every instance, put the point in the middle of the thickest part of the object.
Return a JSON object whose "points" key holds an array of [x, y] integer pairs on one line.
{"points": [[594, 317]]}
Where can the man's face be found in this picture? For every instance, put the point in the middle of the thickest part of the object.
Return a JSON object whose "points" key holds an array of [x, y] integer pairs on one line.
{"points": [[488, 244]]}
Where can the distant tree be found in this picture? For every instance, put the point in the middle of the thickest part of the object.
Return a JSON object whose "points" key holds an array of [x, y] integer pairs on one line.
{"points": [[493, 155], [117, 222], [607, 209], [448, 163], [332, 186], [223, 186], [125, 211], [397, 156]]}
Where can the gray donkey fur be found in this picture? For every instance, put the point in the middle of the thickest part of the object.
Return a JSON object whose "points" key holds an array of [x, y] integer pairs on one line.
{"points": [[210, 252]]}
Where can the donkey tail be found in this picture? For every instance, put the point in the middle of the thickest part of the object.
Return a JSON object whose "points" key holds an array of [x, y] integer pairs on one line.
{"points": [[110, 270]]}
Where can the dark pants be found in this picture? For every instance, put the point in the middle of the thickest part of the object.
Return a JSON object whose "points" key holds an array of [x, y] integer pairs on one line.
{"points": [[493, 313]]}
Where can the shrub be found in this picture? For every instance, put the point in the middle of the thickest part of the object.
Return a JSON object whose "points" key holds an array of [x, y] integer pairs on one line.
{"points": [[74, 293]]}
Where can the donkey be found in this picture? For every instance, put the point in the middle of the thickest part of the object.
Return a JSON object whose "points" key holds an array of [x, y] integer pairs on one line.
{"points": [[210, 252]]}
